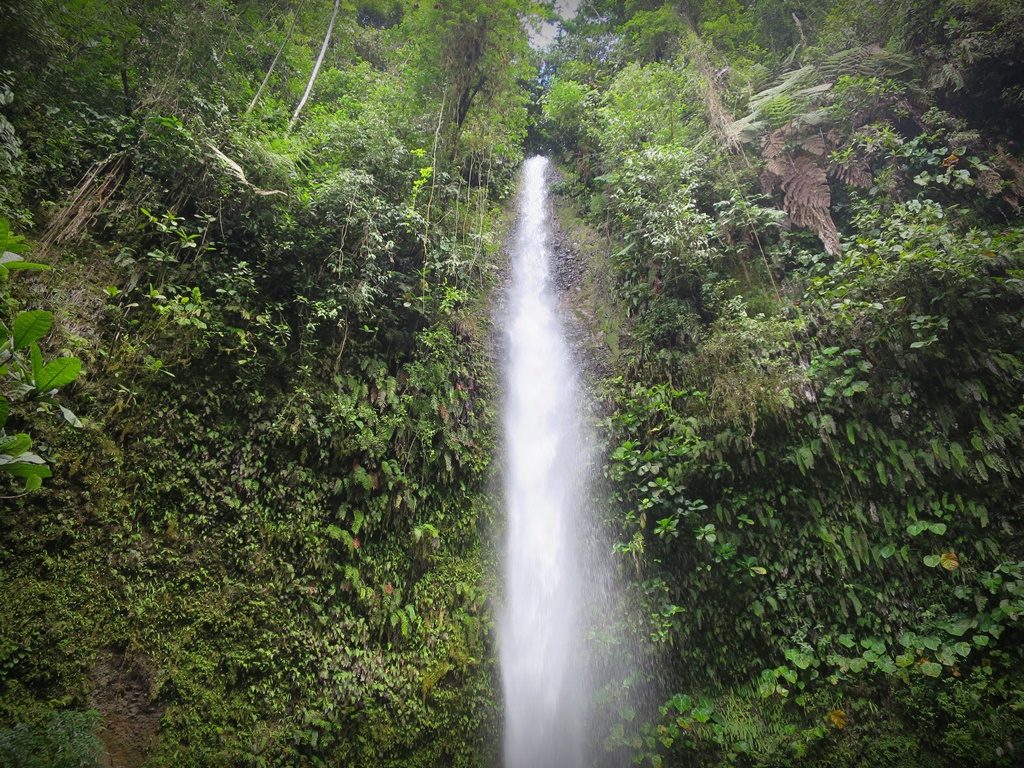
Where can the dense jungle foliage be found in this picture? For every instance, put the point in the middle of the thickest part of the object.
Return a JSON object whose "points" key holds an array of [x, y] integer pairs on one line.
{"points": [[266, 537], [816, 369], [247, 386]]}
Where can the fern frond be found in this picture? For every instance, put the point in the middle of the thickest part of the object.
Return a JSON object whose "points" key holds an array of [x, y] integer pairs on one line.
{"points": [[867, 61], [807, 197]]}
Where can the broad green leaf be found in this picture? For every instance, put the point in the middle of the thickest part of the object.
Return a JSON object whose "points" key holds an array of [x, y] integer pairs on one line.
{"points": [[931, 560], [800, 659], [25, 265], [855, 601], [25, 469], [916, 527], [886, 665], [37, 361], [805, 458], [703, 712], [873, 643], [931, 669], [58, 373], [31, 326], [16, 445], [957, 628], [958, 454]]}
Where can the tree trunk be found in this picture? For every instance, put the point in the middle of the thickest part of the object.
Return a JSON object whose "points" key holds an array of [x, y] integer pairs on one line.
{"points": [[316, 67], [287, 37]]}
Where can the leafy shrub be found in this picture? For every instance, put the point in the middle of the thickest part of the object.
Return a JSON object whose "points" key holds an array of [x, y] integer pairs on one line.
{"points": [[27, 379], [64, 739]]}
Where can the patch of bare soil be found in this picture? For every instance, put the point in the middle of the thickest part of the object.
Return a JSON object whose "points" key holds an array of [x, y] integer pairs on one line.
{"points": [[122, 693]]}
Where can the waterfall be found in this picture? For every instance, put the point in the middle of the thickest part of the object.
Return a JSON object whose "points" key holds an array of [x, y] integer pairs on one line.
{"points": [[541, 641]]}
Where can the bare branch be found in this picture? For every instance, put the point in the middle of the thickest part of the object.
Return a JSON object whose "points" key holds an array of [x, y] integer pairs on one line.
{"points": [[273, 64], [316, 67]]}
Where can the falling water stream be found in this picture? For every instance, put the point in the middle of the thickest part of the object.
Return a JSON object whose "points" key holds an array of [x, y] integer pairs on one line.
{"points": [[543, 665]]}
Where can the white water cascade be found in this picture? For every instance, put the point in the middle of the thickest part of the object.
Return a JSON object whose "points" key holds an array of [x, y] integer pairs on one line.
{"points": [[543, 665]]}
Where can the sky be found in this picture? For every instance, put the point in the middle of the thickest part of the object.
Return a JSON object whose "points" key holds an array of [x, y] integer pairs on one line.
{"points": [[567, 9]]}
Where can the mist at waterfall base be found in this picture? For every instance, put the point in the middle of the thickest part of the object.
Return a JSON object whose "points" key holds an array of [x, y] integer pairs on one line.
{"points": [[559, 597]]}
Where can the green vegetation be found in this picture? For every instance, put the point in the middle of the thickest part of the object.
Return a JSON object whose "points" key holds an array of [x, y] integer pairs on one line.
{"points": [[269, 541], [247, 394], [816, 440], [28, 379]]}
